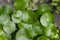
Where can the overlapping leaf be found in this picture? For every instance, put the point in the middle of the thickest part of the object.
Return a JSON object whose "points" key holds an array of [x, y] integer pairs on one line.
{"points": [[9, 28]]}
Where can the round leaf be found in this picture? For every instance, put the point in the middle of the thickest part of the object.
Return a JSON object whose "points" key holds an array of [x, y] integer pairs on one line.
{"points": [[9, 28], [21, 4], [38, 28], [29, 29], [22, 35], [44, 8], [8, 10], [51, 31], [4, 19], [17, 17], [46, 19], [27, 19]]}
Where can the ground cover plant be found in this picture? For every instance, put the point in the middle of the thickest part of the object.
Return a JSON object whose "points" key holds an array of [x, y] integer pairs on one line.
{"points": [[29, 20]]}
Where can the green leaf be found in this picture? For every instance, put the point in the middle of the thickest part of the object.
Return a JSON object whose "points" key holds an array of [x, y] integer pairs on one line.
{"points": [[1, 9], [4, 19], [43, 38], [22, 35], [55, 39], [20, 25], [9, 28], [57, 9], [8, 10], [43, 8], [29, 29], [32, 5], [22, 38], [2, 36], [51, 31], [0, 28], [56, 36], [8, 37], [21, 4], [31, 14], [38, 28], [26, 18], [55, 0], [17, 17], [46, 19]]}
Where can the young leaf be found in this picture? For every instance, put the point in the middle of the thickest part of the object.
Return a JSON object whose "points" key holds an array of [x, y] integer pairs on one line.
{"points": [[29, 29], [46, 19], [21, 4], [2, 35], [27, 19], [22, 35], [43, 8], [8, 10], [17, 17], [51, 31], [38, 28], [9, 28], [4, 19]]}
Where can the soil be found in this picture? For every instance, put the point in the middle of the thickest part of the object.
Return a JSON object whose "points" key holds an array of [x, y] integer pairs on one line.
{"points": [[7, 2]]}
